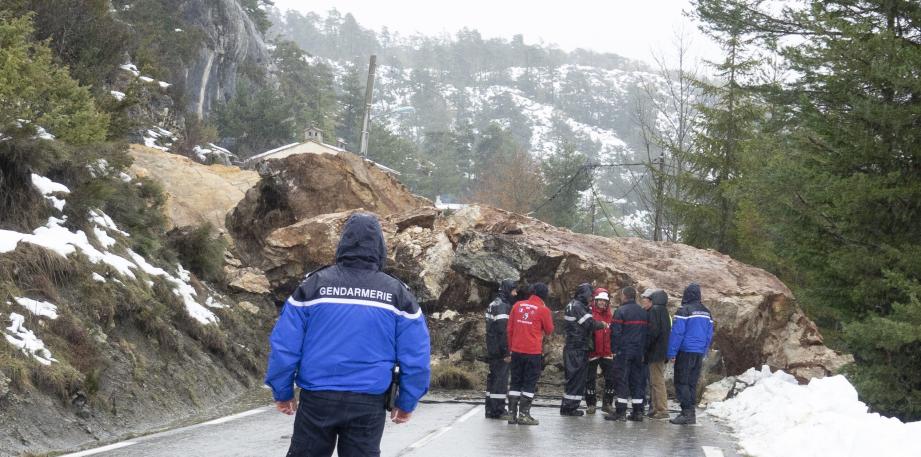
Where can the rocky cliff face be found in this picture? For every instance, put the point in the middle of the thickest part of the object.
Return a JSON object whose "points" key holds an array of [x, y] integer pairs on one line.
{"points": [[291, 223], [232, 46]]}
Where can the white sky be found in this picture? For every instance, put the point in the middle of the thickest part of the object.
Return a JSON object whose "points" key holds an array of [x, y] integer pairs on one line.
{"points": [[631, 28]]}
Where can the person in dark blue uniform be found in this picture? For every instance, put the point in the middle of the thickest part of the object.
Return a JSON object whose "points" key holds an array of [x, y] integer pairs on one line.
{"points": [[628, 343], [692, 333], [339, 337], [580, 327], [497, 351]]}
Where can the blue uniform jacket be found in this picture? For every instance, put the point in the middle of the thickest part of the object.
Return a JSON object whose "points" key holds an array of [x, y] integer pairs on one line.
{"points": [[347, 325], [692, 329]]}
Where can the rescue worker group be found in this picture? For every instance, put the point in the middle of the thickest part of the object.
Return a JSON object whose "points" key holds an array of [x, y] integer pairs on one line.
{"points": [[630, 344]]}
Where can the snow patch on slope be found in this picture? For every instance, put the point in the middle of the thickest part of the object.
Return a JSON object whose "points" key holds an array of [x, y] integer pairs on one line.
{"points": [[25, 340]]}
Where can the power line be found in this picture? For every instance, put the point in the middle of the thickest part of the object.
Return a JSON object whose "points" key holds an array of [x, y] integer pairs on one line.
{"points": [[604, 211], [562, 188]]}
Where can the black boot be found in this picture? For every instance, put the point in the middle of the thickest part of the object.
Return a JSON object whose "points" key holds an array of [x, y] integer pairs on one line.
{"points": [[591, 403], [606, 402], [620, 413], [687, 417], [513, 409], [524, 416], [637, 414]]}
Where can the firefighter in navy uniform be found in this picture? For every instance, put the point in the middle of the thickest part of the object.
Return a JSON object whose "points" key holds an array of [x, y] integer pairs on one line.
{"points": [[628, 343], [497, 351], [339, 337], [580, 326]]}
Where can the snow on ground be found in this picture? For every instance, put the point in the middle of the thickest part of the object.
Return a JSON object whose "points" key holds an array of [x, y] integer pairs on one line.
{"points": [[778, 417], [118, 95], [181, 288], [47, 186], [57, 238], [24, 339], [38, 308], [130, 68]]}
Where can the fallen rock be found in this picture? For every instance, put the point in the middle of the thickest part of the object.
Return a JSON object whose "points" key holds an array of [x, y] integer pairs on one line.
{"points": [[247, 280], [455, 261], [303, 186], [195, 193], [248, 307]]}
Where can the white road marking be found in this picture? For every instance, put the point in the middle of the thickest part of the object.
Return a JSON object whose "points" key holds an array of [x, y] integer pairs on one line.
{"points": [[441, 431], [226, 419], [101, 449], [220, 420], [710, 451]]}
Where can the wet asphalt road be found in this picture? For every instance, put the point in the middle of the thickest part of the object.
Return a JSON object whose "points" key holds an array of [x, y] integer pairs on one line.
{"points": [[444, 430]]}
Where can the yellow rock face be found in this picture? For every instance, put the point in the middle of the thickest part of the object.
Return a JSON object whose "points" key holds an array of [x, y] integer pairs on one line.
{"points": [[196, 193]]}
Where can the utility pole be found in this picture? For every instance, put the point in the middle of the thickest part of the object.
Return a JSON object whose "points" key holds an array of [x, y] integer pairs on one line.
{"points": [[366, 121], [593, 213], [660, 196]]}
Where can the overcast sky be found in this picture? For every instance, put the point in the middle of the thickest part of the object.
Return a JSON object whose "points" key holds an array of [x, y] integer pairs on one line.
{"points": [[631, 28]]}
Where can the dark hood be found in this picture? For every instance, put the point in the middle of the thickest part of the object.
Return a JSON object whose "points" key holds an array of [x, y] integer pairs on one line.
{"points": [[541, 290], [660, 298], [691, 294], [505, 289], [584, 293], [362, 243]]}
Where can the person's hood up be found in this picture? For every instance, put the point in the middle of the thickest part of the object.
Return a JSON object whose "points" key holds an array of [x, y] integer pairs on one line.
{"points": [[541, 290], [505, 289], [362, 243], [659, 298], [584, 293], [691, 294]]}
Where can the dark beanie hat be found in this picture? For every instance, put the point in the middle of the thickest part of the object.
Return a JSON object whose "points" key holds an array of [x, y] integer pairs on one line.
{"points": [[540, 289]]}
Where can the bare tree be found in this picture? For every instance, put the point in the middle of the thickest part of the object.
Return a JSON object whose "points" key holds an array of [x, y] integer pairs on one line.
{"points": [[664, 112]]}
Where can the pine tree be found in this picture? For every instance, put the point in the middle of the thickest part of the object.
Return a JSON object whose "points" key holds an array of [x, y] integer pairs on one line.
{"points": [[724, 129], [34, 89], [351, 106], [566, 175]]}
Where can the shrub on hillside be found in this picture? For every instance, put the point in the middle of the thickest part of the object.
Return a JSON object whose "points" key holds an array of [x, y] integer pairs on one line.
{"points": [[200, 250]]}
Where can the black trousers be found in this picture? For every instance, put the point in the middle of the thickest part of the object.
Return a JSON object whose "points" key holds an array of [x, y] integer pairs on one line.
{"points": [[525, 372], [687, 372], [496, 387], [629, 379], [355, 420], [591, 380], [575, 362]]}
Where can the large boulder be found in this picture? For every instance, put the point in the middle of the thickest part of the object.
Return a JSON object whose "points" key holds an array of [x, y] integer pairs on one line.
{"points": [[296, 193], [289, 224], [455, 261]]}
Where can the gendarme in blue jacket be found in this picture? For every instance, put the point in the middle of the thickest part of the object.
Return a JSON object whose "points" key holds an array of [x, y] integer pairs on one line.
{"points": [[347, 325], [692, 329]]}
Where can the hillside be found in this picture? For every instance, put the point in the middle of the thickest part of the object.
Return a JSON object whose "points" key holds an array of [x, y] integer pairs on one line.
{"points": [[444, 94]]}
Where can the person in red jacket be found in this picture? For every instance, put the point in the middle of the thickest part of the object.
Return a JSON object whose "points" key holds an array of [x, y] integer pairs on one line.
{"points": [[528, 322], [600, 355]]}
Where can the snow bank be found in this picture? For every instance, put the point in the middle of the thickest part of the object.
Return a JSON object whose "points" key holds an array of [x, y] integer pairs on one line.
{"points": [[24, 339], [38, 308], [778, 417]]}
